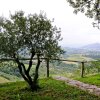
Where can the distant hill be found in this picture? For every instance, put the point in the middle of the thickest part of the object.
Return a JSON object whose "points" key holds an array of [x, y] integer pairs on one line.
{"points": [[93, 47], [92, 51]]}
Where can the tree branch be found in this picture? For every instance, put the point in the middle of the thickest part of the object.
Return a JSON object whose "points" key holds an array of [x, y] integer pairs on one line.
{"points": [[20, 69], [30, 62], [37, 67]]}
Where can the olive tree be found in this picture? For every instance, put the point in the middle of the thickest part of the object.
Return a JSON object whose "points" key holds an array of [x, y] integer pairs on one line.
{"points": [[91, 8], [33, 33]]}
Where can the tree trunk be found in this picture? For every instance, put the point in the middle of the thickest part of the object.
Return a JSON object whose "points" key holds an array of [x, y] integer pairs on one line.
{"points": [[33, 83]]}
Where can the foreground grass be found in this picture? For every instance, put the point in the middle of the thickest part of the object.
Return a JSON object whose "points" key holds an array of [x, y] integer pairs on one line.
{"points": [[50, 90], [93, 79]]}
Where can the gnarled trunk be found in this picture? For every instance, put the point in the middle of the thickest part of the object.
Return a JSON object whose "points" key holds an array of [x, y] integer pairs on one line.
{"points": [[33, 83]]}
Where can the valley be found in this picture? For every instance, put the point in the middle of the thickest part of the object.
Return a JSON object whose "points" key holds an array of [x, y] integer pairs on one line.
{"points": [[11, 78], [9, 70]]}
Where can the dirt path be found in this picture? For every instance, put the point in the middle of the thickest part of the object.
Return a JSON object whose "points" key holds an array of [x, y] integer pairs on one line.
{"points": [[87, 87]]}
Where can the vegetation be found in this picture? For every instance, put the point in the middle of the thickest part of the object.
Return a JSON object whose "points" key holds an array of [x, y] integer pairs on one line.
{"points": [[3, 80], [9, 77], [67, 69], [56, 68], [91, 8], [50, 90], [32, 36], [9, 67], [97, 65], [93, 79]]}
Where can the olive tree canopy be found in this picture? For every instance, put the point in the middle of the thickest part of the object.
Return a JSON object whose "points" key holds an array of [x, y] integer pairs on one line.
{"points": [[32, 36]]}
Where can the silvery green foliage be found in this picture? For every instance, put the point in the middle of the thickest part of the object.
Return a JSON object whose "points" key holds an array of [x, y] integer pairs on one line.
{"points": [[91, 8], [20, 35]]}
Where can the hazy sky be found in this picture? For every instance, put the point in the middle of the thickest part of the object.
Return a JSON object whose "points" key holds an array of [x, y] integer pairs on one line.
{"points": [[77, 30]]}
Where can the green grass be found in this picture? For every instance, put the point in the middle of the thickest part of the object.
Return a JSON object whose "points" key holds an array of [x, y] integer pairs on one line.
{"points": [[50, 90], [78, 57], [93, 79], [9, 77], [3, 80]]}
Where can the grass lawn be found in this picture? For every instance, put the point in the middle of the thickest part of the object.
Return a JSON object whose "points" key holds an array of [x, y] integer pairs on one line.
{"points": [[93, 79], [50, 90]]}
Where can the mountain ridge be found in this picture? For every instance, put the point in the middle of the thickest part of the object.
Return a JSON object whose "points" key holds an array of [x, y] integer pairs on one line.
{"points": [[91, 50], [94, 46]]}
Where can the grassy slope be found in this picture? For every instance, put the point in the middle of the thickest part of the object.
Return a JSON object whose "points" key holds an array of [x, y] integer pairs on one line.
{"points": [[50, 90], [93, 79], [3, 80]]}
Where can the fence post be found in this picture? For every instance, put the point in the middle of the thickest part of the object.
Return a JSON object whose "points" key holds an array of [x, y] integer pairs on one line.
{"points": [[47, 67], [82, 73]]}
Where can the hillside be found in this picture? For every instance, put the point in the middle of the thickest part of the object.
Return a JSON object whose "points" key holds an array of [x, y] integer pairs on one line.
{"points": [[65, 68], [56, 68], [3, 80], [10, 71], [50, 90], [79, 57]]}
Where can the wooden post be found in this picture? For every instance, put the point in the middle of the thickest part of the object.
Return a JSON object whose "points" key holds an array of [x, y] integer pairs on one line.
{"points": [[47, 67], [82, 73]]}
